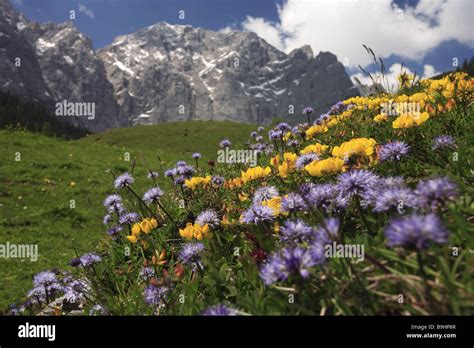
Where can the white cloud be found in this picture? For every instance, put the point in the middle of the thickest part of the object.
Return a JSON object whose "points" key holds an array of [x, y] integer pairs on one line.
{"points": [[389, 81], [87, 11], [342, 26]]}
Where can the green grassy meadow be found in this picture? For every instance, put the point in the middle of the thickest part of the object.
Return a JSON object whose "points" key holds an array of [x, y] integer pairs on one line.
{"points": [[36, 191]]}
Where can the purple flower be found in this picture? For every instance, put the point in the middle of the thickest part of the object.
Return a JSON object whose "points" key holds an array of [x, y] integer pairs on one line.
{"points": [[275, 134], [123, 180], [327, 231], [286, 262], [225, 143], [191, 254], [258, 213], [217, 180], [196, 155], [393, 151], [394, 199], [293, 202], [356, 182], [208, 217], [325, 196], [283, 126], [147, 273], [169, 173], [253, 134], [180, 180], [106, 219], [416, 231], [264, 193], [443, 141], [220, 310], [114, 230], [370, 196], [308, 110], [89, 259], [129, 218], [434, 193], [304, 160], [44, 278], [152, 195], [295, 231], [260, 129], [185, 170], [112, 200], [152, 175], [154, 295]]}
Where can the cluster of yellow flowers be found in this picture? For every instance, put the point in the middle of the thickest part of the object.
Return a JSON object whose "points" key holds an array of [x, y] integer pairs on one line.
{"points": [[410, 120], [316, 148], [255, 173], [145, 226], [197, 181], [326, 166], [359, 147], [195, 231]]}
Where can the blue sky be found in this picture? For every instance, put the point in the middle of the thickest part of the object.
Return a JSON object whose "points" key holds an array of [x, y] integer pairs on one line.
{"points": [[103, 20]]}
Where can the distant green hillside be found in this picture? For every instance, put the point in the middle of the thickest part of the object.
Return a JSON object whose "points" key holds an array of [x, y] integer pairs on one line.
{"points": [[36, 192], [174, 141]]}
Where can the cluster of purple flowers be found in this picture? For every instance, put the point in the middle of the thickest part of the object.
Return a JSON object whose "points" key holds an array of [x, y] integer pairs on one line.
{"points": [[154, 295], [180, 172], [287, 262], [190, 254], [258, 213], [152, 195], [416, 231], [220, 310], [434, 193], [128, 218], [293, 202], [324, 196], [123, 180], [264, 193], [443, 142], [296, 231], [86, 260], [208, 217], [393, 151]]}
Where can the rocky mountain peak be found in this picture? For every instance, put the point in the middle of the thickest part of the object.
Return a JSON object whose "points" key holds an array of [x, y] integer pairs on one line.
{"points": [[167, 72]]}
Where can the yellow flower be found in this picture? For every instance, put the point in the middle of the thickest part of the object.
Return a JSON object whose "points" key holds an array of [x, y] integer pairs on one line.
{"points": [[232, 183], [187, 232], [132, 239], [355, 147], [136, 230], [275, 160], [197, 231], [287, 136], [275, 204], [255, 173], [201, 232], [408, 121], [197, 181], [314, 148], [148, 224], [380, 118], [326, 166], [316, 129]]}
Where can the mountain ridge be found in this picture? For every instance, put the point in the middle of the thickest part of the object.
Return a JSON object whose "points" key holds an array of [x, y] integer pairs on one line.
{"points": [[170, 72]]}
